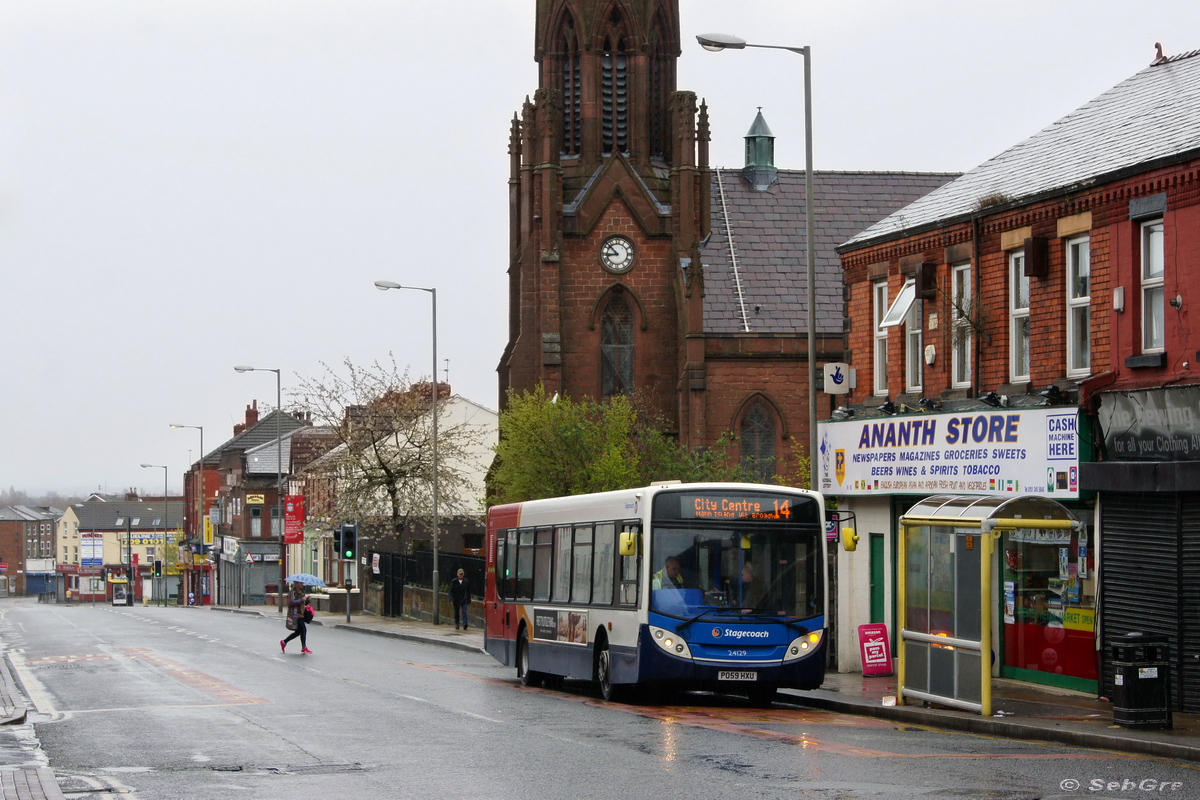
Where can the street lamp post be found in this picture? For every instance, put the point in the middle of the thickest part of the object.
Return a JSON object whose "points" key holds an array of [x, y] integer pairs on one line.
{"points": [[383, 286], [199, 518], [716, 42], [278, 470], [154, 578]]}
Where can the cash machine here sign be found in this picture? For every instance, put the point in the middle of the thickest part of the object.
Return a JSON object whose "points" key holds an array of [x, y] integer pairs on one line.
{"points": [[1005, 451]]}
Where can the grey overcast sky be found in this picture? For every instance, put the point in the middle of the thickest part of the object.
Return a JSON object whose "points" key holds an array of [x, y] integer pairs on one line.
{"points": [[186, 185]]}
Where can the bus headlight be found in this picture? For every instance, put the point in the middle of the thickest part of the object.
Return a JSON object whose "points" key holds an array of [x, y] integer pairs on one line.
{"points": [[670, 642], [803, 645]]}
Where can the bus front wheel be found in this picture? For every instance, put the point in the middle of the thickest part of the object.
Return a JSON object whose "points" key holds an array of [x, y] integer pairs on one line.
{"points": [[608, 690], [528, 677]]}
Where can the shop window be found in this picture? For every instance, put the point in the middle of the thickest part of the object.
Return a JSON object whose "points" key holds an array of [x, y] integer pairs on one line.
{"points": [[1049, 596]]}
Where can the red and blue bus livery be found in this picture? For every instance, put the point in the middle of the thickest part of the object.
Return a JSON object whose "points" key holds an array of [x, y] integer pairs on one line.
{"points": [[706, 586]]}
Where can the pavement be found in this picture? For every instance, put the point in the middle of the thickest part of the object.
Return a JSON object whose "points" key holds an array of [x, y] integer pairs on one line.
{"points": [[1022, 711]]}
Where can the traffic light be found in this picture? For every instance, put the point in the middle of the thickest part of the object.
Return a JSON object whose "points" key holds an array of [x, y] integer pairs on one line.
{"points": [[157, 568], [349, 547]]}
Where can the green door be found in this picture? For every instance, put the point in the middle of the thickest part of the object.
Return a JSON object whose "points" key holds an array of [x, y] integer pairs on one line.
{"points": [[877, 558]]}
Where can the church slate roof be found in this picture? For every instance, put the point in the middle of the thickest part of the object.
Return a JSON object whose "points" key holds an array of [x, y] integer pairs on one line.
{"points": [[1151, 116], [768, 231]]}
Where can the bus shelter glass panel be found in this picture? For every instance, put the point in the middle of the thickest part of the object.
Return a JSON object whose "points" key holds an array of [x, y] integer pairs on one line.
{"points": [[942, 602]]}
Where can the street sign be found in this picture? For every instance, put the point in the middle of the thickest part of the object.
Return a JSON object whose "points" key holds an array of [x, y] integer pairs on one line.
{"points": [[249, 558]]}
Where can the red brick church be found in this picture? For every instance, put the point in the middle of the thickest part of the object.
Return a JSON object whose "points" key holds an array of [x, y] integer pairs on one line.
{"points": [[636, 267]]}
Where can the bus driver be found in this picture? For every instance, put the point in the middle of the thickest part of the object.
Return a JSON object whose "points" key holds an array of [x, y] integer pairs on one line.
{"points": [[668, 577]]}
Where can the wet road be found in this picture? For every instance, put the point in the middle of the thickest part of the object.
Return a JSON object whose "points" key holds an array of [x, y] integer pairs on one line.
{"points": [[194, 703]]}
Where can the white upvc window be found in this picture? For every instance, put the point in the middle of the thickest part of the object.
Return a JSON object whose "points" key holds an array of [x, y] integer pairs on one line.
{"points": [[1018, 309], [880, 303], [913, 347], [960, 315], [906, 310], [1152, 287], [1079, 307]]}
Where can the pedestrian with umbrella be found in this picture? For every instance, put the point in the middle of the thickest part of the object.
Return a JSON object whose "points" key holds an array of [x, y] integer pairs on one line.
{"points": [[299, 612]]}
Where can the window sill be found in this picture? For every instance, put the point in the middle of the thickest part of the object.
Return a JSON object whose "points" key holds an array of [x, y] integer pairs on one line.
{"points": [[1146, 360]]}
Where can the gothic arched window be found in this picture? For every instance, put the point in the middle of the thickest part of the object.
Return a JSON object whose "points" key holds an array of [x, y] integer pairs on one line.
{"points": [[758, 442], [616, 348], [614, 97], [571, 89]]}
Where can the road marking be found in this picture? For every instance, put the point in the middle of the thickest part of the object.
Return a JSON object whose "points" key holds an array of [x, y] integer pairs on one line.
{"points": [[35, 690]]}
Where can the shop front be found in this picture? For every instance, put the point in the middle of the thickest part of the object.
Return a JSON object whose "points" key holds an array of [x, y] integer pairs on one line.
{"points": [[1043, 584], [1049, 607]]}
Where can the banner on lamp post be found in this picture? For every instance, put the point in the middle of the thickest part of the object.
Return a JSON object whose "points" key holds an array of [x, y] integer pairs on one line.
{"points": [[293, 519]]}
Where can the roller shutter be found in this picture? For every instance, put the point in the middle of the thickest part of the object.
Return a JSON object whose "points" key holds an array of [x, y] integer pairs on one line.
{"points": [[1141, 580], [1190, 655]]}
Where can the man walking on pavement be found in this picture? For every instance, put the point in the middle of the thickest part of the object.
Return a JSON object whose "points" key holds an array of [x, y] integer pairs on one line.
{"points": [[460, 596]]}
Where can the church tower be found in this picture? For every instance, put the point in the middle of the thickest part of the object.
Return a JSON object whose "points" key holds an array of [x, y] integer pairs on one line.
{"points": [[609, 200]]}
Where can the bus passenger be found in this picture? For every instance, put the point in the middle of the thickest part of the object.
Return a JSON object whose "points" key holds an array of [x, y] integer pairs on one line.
{"points": [[668, 577]]}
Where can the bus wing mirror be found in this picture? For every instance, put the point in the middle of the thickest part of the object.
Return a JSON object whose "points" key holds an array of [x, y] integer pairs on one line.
{"points": [[849, 540], [628, 543]]}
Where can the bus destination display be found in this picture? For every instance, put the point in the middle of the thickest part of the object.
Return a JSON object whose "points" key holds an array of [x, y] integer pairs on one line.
{"points": [[711, 506]]}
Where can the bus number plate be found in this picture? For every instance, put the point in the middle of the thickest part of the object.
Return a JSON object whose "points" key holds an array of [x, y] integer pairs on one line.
{"points": [[737, 675]]}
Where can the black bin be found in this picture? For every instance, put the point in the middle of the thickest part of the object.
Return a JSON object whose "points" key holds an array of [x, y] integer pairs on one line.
{"points": [[1142, 681]]}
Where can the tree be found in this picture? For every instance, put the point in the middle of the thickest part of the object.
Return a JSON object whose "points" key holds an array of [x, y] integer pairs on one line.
{"points": [[379, 473], [554, 446]]}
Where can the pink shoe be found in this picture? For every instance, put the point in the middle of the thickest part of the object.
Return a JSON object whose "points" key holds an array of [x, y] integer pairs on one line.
{"points": [[282, 646], [306, 651]]}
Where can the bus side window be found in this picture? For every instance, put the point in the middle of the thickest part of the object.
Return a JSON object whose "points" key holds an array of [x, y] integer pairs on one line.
{"points": [[543, 557], [628, 574], [525, 565], [561, 591], [501, 566], [510, 574], [581, 571], [602, 574]]}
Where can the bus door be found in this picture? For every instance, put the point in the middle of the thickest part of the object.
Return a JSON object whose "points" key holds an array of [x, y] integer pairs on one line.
{"points": [[501, 617]]}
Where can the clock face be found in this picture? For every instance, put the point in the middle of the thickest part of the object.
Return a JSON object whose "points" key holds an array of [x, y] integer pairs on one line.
{"points": [[616, 254]]}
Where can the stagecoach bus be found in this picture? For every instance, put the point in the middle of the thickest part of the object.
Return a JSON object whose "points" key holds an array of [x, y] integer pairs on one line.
{"points": [[697, 586]]}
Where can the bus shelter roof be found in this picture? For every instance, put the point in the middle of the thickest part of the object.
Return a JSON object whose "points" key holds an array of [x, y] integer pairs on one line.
{"points": [[1027, 511]]}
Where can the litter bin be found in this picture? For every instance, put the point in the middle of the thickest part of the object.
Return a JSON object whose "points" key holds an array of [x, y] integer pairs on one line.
{"points": [[1142, 681]]}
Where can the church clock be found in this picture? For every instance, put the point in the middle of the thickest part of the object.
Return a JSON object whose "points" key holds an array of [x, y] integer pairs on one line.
{"points": [[616, 254]]}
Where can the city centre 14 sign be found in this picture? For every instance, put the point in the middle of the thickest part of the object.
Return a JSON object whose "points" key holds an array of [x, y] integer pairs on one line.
{"points": [[992, 452]]}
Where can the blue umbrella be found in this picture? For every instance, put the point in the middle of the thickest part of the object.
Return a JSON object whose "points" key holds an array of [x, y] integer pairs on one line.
{"points": [[305, 578]]}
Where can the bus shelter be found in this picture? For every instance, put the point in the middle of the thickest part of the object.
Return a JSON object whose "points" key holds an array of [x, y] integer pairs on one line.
{"points": [[946, 597]]}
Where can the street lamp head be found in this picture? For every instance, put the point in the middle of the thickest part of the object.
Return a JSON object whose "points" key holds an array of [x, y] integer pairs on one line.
{"points": [[716, 42], [147, 465], [243, 368], [383, 286]]}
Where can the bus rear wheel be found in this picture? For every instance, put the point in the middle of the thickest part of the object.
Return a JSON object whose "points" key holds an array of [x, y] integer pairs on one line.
{"points": [[528, 677]]}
